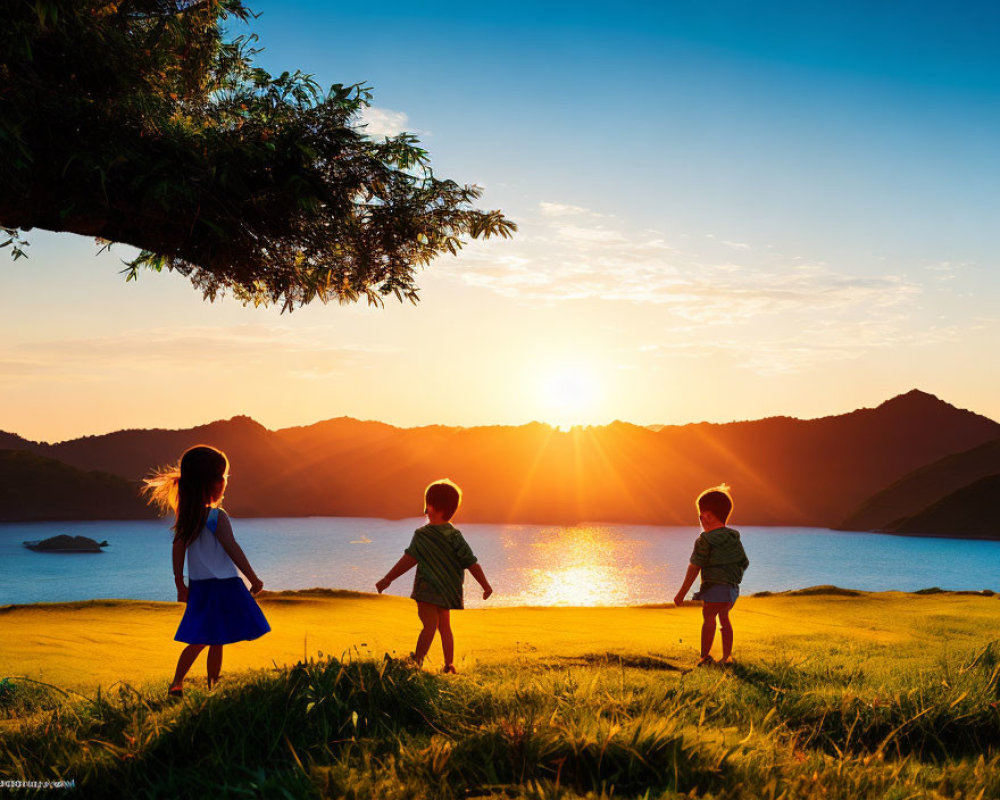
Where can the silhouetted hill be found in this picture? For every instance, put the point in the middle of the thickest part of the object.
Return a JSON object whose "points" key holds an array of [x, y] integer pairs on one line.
{"points": [[11, 441], [784, 471], [257, 455], [917, 490], [132, 453], [970, 512], [34, 488]]}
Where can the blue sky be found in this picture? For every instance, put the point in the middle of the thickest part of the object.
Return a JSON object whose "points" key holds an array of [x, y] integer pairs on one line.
{"points": [[766, 120], [727, 210]]}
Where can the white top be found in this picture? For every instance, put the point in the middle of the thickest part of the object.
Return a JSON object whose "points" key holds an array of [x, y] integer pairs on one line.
{"points": [[205, 556]]}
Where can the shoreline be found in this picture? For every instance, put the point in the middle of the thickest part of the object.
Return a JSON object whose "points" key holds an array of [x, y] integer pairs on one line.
{"points": [[563, 524], [329, 593]]}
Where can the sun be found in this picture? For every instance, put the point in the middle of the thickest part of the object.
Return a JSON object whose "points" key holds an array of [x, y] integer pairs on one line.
{"points": [[569, 394]]}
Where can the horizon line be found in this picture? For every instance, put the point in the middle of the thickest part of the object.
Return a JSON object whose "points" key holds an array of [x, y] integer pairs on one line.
{"points": [[555, 427]]}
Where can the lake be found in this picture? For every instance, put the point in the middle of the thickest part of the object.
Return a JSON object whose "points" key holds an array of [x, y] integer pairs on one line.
{"points": [[599, 564]]}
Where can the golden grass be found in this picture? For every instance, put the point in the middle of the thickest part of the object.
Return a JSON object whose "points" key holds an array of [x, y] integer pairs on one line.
{"points": [[83, 645]]}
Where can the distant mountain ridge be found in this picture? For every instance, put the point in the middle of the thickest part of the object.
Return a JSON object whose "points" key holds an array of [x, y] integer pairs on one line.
{"points": [[972, 510], [784, 471], [923, 487], [34, 488]]}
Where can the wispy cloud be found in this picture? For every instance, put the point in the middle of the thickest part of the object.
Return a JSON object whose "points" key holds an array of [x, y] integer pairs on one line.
{"points": [[570, 253], [811, 347], [295, 353], [579, 234], [382, 121], [771, 313], [547, 209], [945, 270]]}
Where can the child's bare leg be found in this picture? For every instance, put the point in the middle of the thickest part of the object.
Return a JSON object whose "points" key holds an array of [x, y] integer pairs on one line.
{"points": [[709, 611], [726, 631], [428, 613], [184, 662], [447, 639], [214, 663]]}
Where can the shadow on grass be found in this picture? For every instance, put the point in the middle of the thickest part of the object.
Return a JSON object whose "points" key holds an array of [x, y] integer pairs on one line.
{"points": [[651, 663], [257, 737]]}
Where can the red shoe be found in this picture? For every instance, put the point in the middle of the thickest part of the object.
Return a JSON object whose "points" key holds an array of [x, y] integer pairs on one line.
{"points": [[450, 670]]}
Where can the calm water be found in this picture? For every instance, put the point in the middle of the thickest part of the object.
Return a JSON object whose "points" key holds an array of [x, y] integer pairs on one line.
{"points": [[527, 564]]}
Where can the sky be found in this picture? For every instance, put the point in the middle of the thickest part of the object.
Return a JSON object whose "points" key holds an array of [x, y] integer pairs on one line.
{"points": [[726, 210]]}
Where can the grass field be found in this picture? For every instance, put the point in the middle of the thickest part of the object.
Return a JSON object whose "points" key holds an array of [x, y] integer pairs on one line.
{"points": [[835, 694]]}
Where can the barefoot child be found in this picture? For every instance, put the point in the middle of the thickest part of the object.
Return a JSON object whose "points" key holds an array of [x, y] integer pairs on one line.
{"points": [[219, 608], [441, 555], [719, 556]]}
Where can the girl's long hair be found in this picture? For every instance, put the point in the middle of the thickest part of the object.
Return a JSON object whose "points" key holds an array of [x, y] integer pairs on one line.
{"points": [[188, 489]]}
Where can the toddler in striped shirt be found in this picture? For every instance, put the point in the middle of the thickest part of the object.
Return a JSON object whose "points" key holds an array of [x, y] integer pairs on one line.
{"points": [[441, 555]]}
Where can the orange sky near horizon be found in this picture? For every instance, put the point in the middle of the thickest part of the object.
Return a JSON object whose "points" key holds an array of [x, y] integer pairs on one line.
{"points": [[104, 355]]}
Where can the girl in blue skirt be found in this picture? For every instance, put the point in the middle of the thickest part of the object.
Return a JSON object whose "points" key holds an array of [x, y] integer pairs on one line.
{"points": [[220, 610]]}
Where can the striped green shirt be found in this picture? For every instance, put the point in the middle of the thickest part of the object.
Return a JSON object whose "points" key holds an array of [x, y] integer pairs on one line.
{"points": [[442, 556], [720, 555]]}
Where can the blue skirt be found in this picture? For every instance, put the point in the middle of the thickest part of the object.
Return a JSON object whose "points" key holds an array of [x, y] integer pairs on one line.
{"points": [[220, 611]]}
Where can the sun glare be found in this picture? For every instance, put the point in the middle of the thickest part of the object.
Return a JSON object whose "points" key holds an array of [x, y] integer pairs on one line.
{"points": [[570, 395], [585, 566]]}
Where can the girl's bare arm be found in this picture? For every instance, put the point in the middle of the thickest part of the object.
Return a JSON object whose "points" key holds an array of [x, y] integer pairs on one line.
{"points": [[177, 556], [405, 564], [224, 533]]}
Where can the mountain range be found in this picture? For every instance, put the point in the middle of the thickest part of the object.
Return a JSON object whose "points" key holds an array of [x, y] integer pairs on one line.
{"points": [[784, 471], [971, 510], [891, 507], [33, 488]]}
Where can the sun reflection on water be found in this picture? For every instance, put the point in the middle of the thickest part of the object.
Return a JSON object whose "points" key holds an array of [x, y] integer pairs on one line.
{"points": [[582, 566]]}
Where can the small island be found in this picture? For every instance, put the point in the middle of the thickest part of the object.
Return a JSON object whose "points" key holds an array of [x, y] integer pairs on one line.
{"points": [[66, 544]]}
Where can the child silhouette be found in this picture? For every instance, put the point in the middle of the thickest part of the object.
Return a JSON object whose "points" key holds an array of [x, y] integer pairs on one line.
{"points": [[719, 557], [441, 555], [219, 610]]}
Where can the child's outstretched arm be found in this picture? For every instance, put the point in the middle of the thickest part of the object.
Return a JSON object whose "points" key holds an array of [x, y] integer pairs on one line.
{"points": [[692, 573], [224, 533], [405, 564], [480, 576]]}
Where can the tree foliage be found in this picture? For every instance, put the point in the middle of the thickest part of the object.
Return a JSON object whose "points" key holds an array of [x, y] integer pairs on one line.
{"points": [[144, 122]]}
